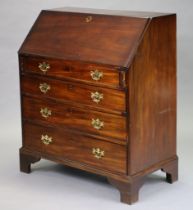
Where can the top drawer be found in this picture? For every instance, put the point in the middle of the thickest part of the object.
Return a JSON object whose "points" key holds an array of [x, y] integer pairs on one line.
{"points": [[89, 73]]}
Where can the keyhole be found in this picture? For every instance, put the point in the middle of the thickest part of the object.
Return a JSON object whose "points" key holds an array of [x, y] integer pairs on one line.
{"points": [[70, 87]]}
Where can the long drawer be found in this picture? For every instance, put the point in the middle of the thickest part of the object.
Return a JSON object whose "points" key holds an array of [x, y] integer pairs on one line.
{"points": [[97, 97], [90, 73], [64, 115], [80, 148]]}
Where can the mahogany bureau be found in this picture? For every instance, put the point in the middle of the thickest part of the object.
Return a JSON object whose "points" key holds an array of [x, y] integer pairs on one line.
{"points": [[98, 93]]}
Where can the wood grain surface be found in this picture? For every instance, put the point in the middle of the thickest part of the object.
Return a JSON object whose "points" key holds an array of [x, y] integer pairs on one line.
{"points": [[75, 147]]}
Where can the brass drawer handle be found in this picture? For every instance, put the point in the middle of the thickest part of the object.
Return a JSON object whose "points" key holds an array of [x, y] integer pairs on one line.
{"points": [[44, 87], [96, 75], [45, 112], [44, 67], [46, 139], [98, 153], [96, 96], [97, 124]]}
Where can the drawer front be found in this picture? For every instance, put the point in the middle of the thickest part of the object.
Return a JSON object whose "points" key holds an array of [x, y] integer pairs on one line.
{"points": [[61, 114], [96, 97], [95, 74], [76, 147]]}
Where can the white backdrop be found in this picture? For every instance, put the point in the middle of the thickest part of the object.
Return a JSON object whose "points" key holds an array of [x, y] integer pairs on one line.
{"points": [[56, 187]]}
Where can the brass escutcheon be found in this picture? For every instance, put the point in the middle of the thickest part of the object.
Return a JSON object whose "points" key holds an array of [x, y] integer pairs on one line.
{"points": [[96, 75], [96, 96], [44, 87], [46, 139], [45, 112], [98, 153], [97, 124], [44, 67], [88, 19]]}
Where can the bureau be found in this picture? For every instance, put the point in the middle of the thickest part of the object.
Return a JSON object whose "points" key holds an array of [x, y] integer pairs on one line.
{"points": [[98, 93]]}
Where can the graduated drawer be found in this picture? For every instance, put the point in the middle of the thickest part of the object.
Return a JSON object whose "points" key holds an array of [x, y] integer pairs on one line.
{"points": [[90, 73], [76, 147], [97, 97], [64, 115]]}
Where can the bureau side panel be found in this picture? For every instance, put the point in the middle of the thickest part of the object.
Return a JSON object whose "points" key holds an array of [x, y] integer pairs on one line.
{"points": [[152, 96]]}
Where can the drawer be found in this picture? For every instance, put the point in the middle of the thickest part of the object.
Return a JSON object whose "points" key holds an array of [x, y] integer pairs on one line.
{"points": [[66, 116], [76, 147], [97, 97], [90, 73]]}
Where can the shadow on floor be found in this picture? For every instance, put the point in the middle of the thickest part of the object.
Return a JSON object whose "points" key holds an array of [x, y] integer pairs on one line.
{"points": [[84, 175]]}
